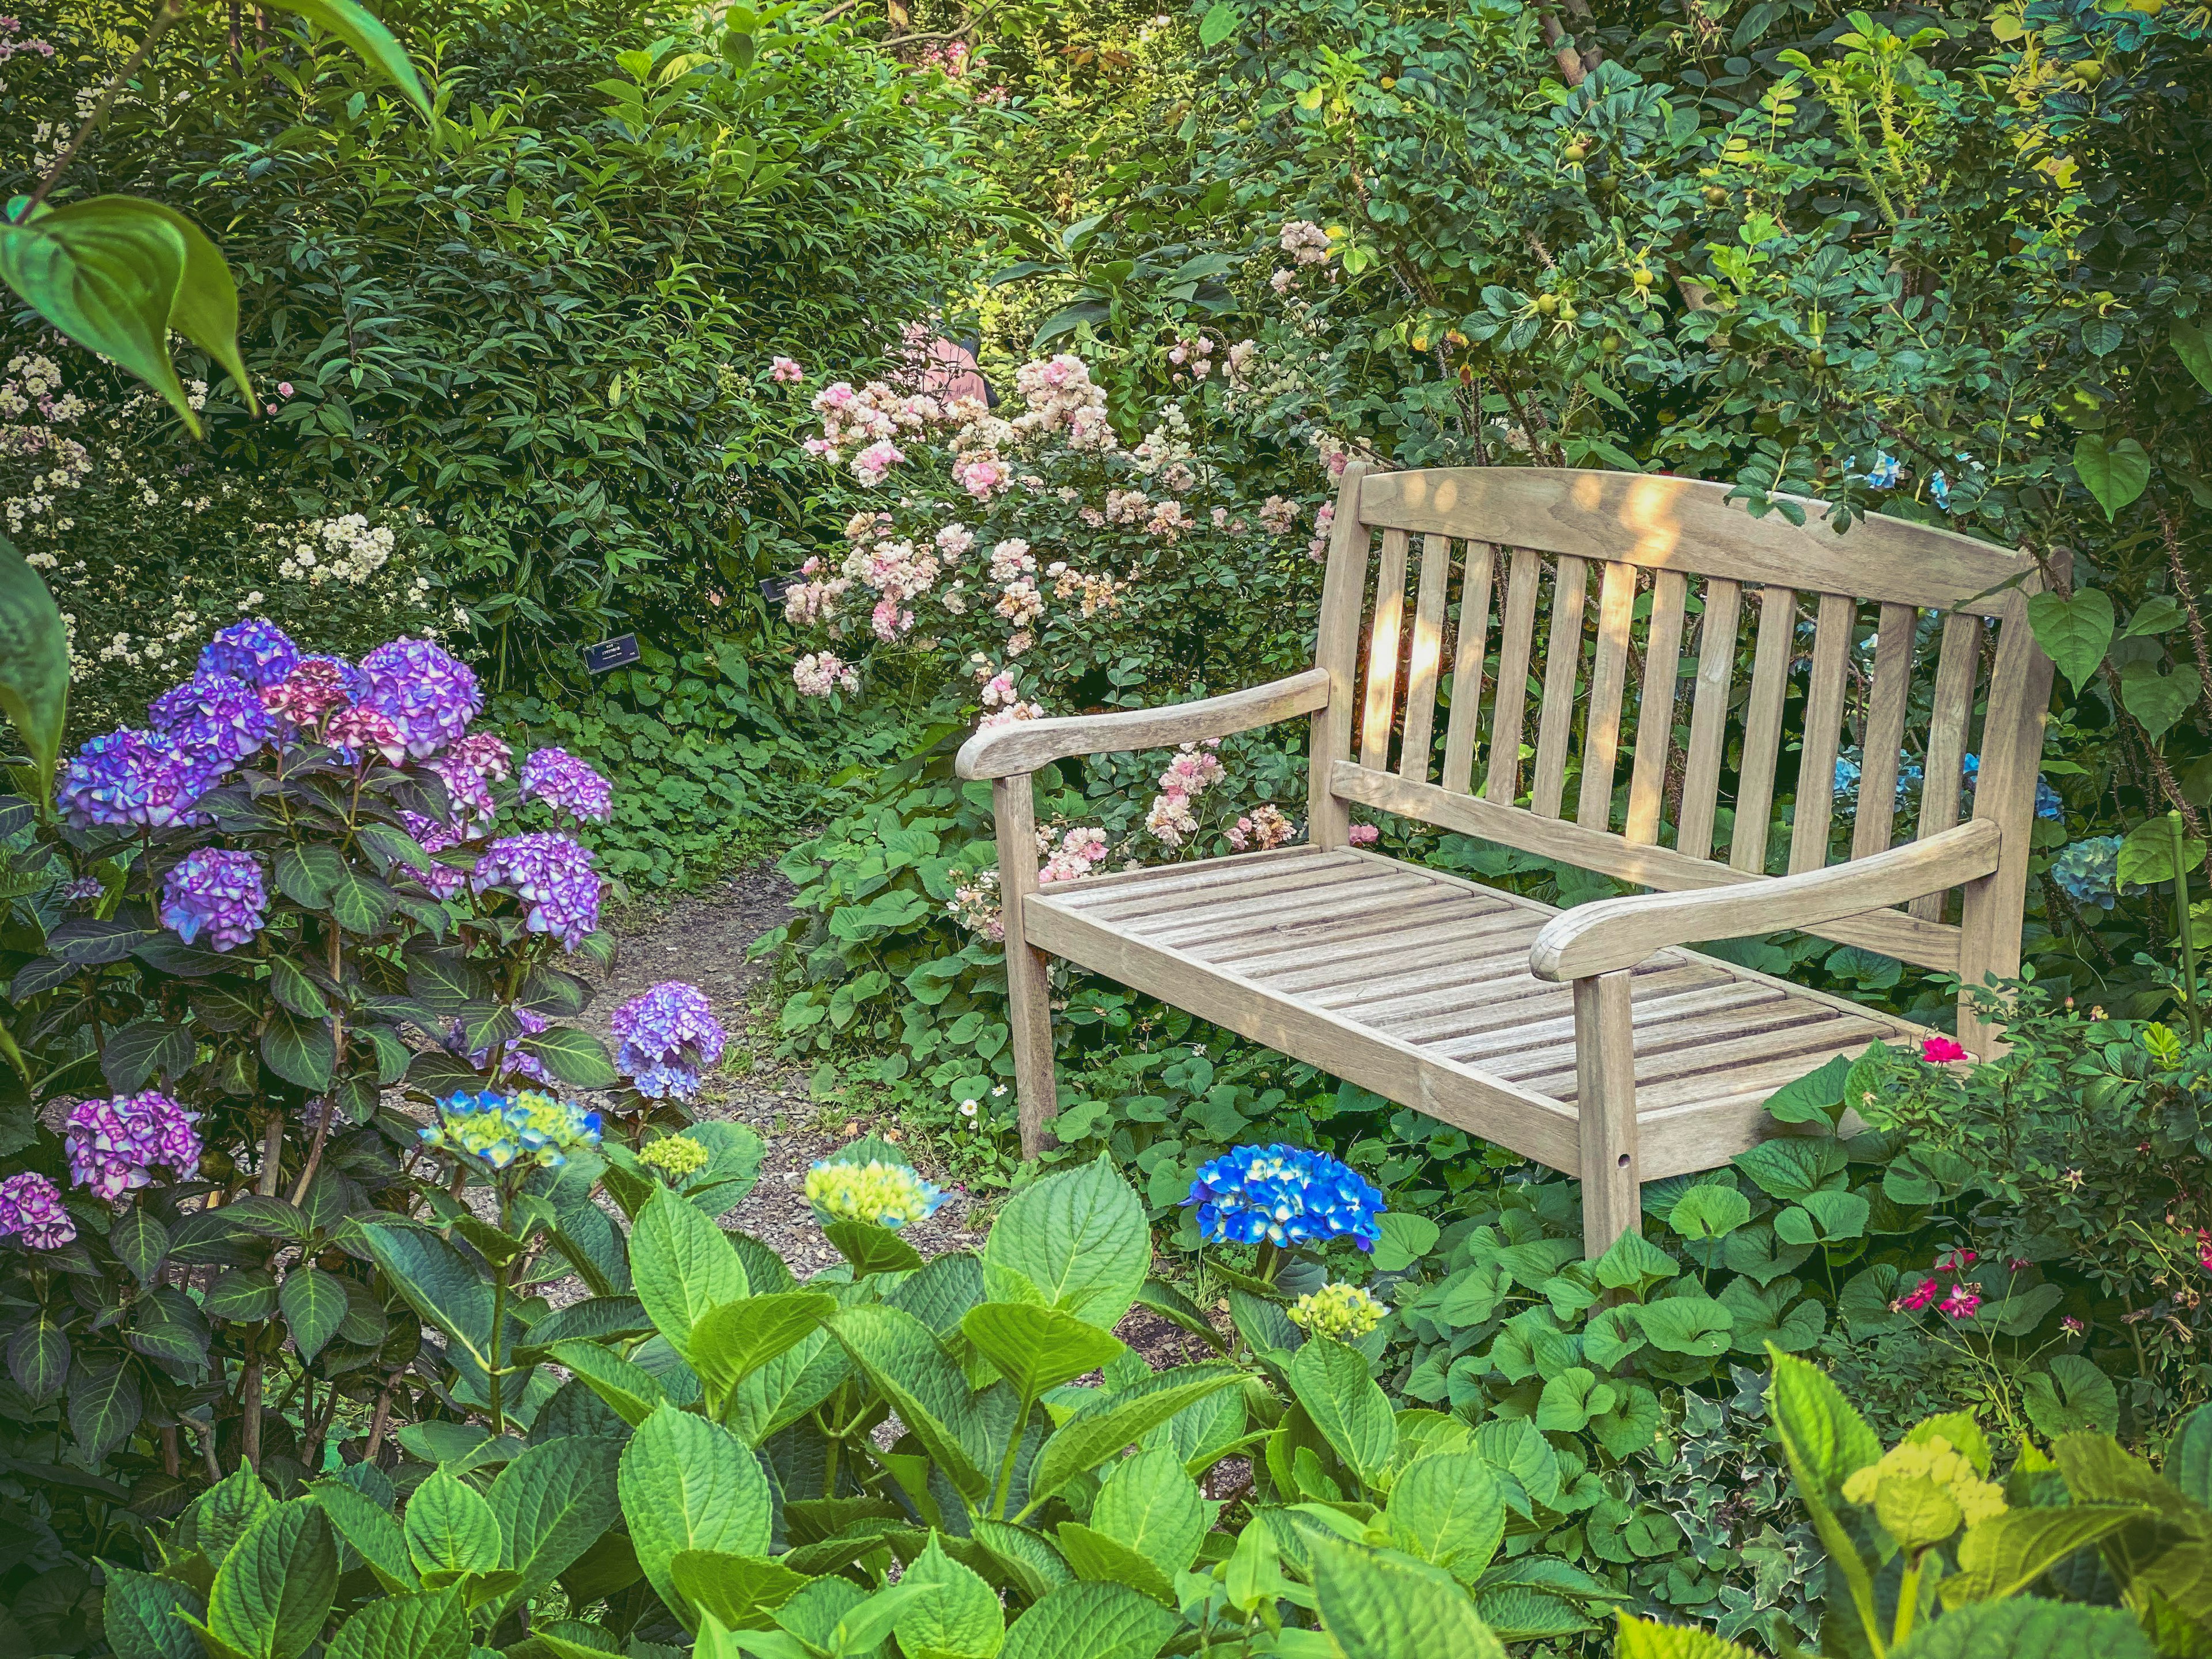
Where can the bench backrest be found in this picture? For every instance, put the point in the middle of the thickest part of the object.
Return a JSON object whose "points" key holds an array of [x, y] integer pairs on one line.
{"points": [[1615, 607]]}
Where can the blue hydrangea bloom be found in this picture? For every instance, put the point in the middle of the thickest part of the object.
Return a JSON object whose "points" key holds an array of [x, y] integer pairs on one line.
{"points": [[127, 777], [499, 1131], [215, 720], [2089, 872], [2049, 804], [429, 693], [1847, 778], [255, 653], [1284, 1195], [663, 1036]]}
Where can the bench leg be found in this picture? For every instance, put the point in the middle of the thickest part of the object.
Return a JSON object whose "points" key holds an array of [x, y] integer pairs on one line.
{"points": [[1605, 1075], [1028, 1006]]}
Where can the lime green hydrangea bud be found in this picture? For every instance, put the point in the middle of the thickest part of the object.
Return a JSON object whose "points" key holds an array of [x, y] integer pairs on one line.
{"points": [[883, 1194], [675, 1157], [1935, 1461], [1347, 1312]]}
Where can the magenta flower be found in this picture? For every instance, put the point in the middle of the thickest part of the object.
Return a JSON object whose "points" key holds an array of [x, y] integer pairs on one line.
{"points": [[363, 727], [1957, 1262], [442, 880], [214, 891], [665, 1037], [469, 789], [129, 777], [1962, 1302], [1917, 1298], [1941, 1051], [31, 1209], [255, 653], [114, 1144], [560, 779], [486, 754], [312, 690], [430, 694], [552, 875]]}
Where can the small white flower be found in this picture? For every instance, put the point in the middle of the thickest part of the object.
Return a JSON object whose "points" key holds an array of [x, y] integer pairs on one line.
{"points": [[967, 1109]]}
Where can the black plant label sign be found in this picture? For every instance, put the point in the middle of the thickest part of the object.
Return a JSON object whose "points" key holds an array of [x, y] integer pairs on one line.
{"points": [[611, 653]]}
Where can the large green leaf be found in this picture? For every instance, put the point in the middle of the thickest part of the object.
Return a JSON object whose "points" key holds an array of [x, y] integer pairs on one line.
{"points": [[1448, 1508], [2073, 1395], [104, 1407], [738, 1591], [151, 1048], [1150, 1503], [33, 659], [955, 1615], [141, 1616], [301, 1051], [629, 1389], [1376, 1606], [2158, 699], [1099, 1558], [925, 1387], [2188, 1460], [682, 1267], [552, 1502], [275, 1588], [2028, 1629], [108, 273], [1636, 1639], [1091, 1621], [451, 1530], [428, 1624], [1035, 1348], [2005, 1554], [439, 1283], [1695, 1325], [1825, 1438], [577, 1058], [1083, 1441], [687, 1484], [222, 1514], [2115, 474], [314, 1304], [1347, 1405], [140, 1242], [2074, 632], [1080, 1237], [372, 1531], [734, 1340], [370, 41]]}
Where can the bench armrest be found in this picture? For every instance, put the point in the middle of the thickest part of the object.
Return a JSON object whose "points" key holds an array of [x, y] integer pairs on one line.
{"points": [[1614, 933], [1022, 746]]}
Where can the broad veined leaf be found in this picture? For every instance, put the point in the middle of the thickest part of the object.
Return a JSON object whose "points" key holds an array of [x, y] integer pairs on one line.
{"points": [[688, 1483], [451, 1530], [1098, 1558], [439, 1283], [1150, 1503], [2158, 699], [374, 1535], [1221, 21], [145, 1616], [140, 1242], [314, 1304], [2075, 631], [1687, 1324], [734, 1340], [927, 1390], [1122, 1418], [33, 659], [301, 1051], [682, 1267], [577, 1058], [1634, 1639], [1080, 1236], [2115, 474], [551, 1503], [2072, 1395], [1345, 1404], [2005, 1554], [220, 1517], [738, 1591], [1376, 1606], [631, 1389], [956, 1614], [274, 1590], [1708, 1210], [427, 1624], [2028, 1628], [1036, 1349], [1091, 1621], [104, 1407]]}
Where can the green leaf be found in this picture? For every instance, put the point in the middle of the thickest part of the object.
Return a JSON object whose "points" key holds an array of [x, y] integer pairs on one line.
{"points": [[1825, 1438], [551, 1503], [955, 1615], [274, 1589], [1351, 1411], [2073, 1395], [577, 1058], [2159, 699], [1376, 1606], [301, 1051], [104, 1407], [2075, 633], [734, 1340], [737, 1591], [2114, 475], [314, 1304], [1035, 1348], [1632, 1262], [1099, 1558], [1708, 1210], [872, 1248], [140, 1242], [437, 1282], [927, 1390], [2146, 855], [370, 41], [108, 273], [2188, 1460], [221, 1515], [1084, 1442], [687, 1484], [1150, 1503], [1221, 21], [450, 1530], [682, 1267], [1794, 1165], [1823, 1218], [290, 985], [1636, 1639], [1449, 1509], [1026, 1560], [2195, 351], [34, 660], [39, 1357], [372, 1531], [1091, 1621], [629, 1389], [1688, 1324], [140, 1615], [1570, 1398], [430, 1625], [359, 903], [151, 1048], [1407, 1237], [2028, 1629], [1814, 1098], [1080, 1236], [2005, 1554]]}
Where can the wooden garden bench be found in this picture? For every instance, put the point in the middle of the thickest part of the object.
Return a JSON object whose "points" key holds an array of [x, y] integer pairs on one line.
{"points": [[1588, 1039]]}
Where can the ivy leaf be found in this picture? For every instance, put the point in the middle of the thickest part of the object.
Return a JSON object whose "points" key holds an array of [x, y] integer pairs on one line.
{"points": [[2074, 632], [2159, 701], [33, 659], [2114, 475], [370, 41], [2194, 350]]}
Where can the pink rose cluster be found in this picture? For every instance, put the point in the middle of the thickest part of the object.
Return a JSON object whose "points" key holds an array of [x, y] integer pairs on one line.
{"points": [[1194, 769], [1306, 242], [784, 372], [1079, 852], [1261, 828], [868, 420], [818, 673]]}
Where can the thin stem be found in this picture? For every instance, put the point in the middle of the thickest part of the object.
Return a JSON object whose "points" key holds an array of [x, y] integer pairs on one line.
{"points": [[499, 1314], [1908, 1602], [272, 1155], [170, 11], [2189, 1002]]}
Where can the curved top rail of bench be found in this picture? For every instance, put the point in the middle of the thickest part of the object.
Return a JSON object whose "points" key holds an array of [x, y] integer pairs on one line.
{"points": [[1689, 524]]}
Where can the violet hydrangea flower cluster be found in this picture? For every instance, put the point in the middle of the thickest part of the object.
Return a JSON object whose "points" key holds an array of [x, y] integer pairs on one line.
{"points": [[516, 1061], [113, 1144], [1284, 1195], [215, 719], [430, 694], [214, 891], [560, 779], [552, 875], [130, 777], [30, 1210], [255, 653], [665, 1037]]}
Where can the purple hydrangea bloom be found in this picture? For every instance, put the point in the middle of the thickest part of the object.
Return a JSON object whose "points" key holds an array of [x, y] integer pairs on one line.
{"points": [[132, 777], [431, 694], [215, 720], [664, 1036], [255, 652], [114, 1144], [552, 875], [470, 789], [516, 1062], [432, 836], [217, 891], [31, 1209], [85, 890], [485, 754], [560, 779]]}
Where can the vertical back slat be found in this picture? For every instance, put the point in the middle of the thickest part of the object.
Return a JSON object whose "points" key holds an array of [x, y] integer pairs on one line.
{"points": [[1762, 726], [1563, 661], [1428, 651], [1616, 614], [1948, 722], [1823, 721], [1383, 652], [1655, 713], [1336, 650], [1884, 730], [1467, 667], [1701, 767], [1516, 642]]}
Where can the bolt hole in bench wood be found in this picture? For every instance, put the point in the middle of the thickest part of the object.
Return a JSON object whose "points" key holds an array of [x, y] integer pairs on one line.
{"points": [[1588, 1039]]}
